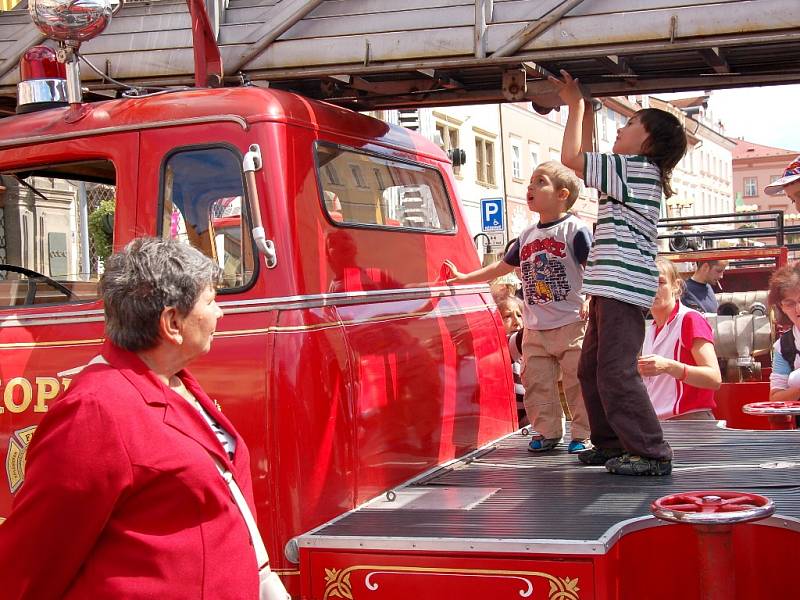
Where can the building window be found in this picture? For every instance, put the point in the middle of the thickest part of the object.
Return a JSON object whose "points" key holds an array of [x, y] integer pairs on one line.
{"points": [[750, 187], [604, 124], [358, 177], [332, 175], [516, 161], [448, 140], [533, 149], [484, 161]]}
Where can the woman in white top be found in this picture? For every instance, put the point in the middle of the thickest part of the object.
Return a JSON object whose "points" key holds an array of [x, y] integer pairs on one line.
{"points": [[678, 362]]}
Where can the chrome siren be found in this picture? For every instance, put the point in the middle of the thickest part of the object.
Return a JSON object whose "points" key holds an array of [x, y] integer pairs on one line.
{"points": [[72, 21]]}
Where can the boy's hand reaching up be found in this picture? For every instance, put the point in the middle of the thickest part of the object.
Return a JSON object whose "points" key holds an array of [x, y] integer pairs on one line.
{"points": [[455, 275], [568, 90]]}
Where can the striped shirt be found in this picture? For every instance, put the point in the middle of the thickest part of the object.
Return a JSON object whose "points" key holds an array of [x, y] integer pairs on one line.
{"points": [[621, 263]]}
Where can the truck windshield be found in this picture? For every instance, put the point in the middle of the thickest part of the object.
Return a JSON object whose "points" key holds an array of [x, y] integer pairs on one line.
{"points": [[56, 228]]}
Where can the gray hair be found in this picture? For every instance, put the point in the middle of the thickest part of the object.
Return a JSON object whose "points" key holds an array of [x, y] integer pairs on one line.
{"points": [[145, 277]]}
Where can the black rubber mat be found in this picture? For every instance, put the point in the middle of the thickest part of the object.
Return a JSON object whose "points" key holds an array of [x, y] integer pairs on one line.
{"points": [[509, 493]]}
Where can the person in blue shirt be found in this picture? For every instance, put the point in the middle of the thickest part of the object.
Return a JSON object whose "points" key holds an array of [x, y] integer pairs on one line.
{"points": [[699, 291], [784, 296]]}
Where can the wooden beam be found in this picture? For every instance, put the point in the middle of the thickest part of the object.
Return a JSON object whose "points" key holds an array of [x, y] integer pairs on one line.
{"points": [[536, 71], [542, 93], [536, 28], [483, 16], [616, 65], [715, 59], [281, 18], [538, 56]]}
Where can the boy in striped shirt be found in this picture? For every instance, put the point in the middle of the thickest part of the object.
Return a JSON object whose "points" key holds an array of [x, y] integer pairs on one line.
{"points": [[622, 279]]}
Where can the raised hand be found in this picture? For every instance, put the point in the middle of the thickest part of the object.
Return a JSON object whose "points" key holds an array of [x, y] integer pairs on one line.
{"points": [[569, 89]]}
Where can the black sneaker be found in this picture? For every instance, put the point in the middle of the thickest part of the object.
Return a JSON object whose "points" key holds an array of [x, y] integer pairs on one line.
{"points": [[638, 465], [599, 456]]}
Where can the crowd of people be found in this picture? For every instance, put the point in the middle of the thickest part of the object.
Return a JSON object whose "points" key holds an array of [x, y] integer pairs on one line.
{"points": [[585, 301]]}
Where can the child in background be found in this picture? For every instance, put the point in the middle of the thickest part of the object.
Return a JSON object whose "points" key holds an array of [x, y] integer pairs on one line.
{"points": [[551, 255], [510, 309], [784, 296], [621, 278], [678, 362]]}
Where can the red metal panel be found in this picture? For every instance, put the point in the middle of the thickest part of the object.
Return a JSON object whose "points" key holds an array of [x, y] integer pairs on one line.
{"points": [[662, 563], [310, 428], [396, 576], [429, 384], [62, 336], [731, 397]]}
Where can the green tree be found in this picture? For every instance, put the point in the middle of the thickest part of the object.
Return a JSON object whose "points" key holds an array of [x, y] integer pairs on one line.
{"points": [[101, 227]]}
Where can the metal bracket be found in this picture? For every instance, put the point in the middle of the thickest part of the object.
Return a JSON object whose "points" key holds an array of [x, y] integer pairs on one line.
{"points": [[515, 85]]}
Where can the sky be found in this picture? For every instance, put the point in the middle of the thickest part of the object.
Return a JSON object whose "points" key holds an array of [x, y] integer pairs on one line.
{"points": [[764, 115]]}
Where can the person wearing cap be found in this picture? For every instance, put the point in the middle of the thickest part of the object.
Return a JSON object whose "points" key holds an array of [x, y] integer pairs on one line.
{"points": [[789, 183]]}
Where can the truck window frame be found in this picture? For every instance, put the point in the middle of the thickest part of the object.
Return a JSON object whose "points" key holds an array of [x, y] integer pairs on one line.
{"points": [[62, 171], [382, 227], [245, 210]]}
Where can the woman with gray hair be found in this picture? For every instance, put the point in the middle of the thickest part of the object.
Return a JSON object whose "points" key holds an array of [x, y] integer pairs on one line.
{"points": [[123, 496]]}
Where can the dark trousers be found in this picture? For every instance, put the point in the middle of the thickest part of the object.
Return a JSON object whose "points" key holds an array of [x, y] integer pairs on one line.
{"points": [[619, 409]]}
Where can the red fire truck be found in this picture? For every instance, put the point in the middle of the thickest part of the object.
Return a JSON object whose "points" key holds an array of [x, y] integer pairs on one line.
{"points": [[377, 401]]}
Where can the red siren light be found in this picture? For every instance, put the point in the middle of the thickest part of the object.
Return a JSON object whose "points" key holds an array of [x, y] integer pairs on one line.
{"points": [[41, 62], [42, 80]]}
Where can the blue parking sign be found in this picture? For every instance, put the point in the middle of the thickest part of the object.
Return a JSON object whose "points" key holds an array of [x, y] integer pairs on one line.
{"points": [[492, 214]]}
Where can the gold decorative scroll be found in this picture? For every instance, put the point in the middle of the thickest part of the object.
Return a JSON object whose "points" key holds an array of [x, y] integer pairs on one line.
{"points": [[338, 585]]}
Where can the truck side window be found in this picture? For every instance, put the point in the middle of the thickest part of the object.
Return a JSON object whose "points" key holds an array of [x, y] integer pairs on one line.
{"points": [[358, 188], [56, 229], [203, 204]]}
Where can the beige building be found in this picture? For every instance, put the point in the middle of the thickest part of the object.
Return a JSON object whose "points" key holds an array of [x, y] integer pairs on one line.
{"points": [[475, 130], [703, 179], [528, 140], [754, 167], [503, 144]]}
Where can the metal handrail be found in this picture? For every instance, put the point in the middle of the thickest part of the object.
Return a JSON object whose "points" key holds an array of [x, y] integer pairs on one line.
{"points": [[676, 226]]}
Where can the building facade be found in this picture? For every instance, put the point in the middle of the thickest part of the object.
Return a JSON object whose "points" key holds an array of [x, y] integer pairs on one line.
{"points": [[503, 144], [756, 166]]}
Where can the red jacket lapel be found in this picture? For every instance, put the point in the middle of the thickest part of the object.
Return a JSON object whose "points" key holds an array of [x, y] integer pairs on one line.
{"points": [[178, 414]]}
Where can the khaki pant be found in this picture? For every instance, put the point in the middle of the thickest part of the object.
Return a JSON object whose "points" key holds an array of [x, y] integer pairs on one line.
{"points": [[542, 354]]}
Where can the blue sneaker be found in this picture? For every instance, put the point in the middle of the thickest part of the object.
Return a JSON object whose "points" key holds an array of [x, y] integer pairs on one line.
{"points": [[543, 444], [576, 446]]}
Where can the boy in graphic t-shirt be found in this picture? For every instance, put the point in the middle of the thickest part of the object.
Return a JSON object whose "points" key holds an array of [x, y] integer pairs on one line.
{"points": [[551, 255]]}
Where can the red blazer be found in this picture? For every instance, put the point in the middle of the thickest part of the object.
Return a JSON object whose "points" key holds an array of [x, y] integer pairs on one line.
{"points": [[122, 500]]}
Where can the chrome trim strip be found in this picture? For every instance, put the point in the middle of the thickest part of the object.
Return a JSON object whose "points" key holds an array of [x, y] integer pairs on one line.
{"points": [[19, 319], [263, 304], [348, 298], [57, 137], [504, 545], [50, 320]]}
